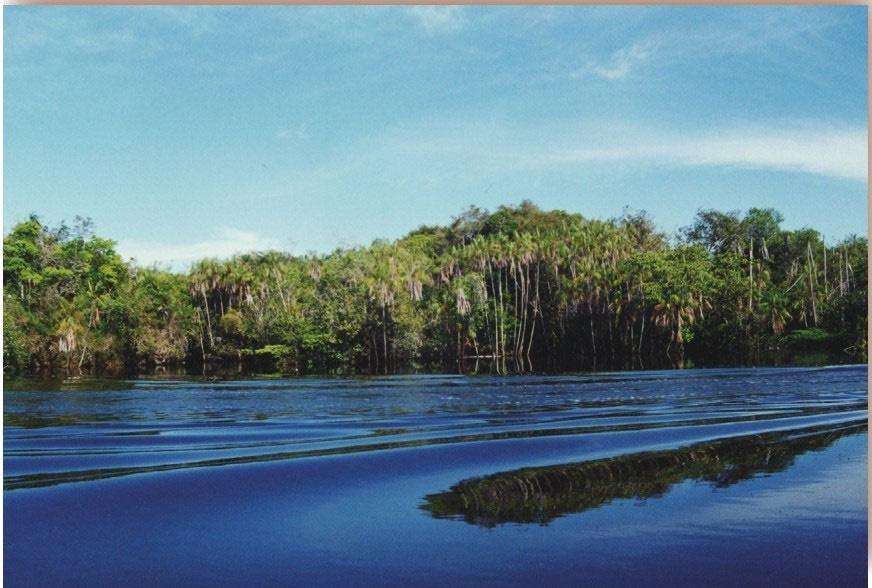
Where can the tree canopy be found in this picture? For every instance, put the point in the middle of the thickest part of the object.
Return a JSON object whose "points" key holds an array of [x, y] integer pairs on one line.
{"points": [[518, 288]]}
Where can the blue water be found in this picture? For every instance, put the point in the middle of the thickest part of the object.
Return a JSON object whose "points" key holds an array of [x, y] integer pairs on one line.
{"points": [[716, 477]]}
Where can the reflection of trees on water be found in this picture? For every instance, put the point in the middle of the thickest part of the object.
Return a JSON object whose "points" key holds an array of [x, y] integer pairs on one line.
{"points": [[541, 494]]}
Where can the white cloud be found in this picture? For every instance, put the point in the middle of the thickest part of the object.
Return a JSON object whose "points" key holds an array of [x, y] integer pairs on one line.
{"points": [[437, 19], [840, 153], [294, 132], [103, 42], [813, 147], [226, 242], [778, 35], [621, 62], [196, 20]]}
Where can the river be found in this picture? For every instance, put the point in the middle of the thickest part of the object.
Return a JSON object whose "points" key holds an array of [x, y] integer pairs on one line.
{"points": [[716, 477]]}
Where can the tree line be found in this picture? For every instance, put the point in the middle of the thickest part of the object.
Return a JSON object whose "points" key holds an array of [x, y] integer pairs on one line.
{"points": [[519, 288]]}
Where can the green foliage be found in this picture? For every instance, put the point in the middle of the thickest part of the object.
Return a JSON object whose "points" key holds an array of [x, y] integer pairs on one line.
{"points": [[282, 357], [804, 337], [16, 357], [231, 323], [517, 284], [811, 359]]}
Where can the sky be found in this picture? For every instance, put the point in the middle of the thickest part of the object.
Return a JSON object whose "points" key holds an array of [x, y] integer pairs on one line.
{"points": [[187, 132]]}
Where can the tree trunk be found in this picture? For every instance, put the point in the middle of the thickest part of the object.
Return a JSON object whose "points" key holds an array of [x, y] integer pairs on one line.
{"points": [[385, 339], [208, 318]]}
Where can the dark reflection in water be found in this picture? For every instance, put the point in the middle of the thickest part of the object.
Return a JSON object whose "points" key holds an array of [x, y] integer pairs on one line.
{"points": [[541, 494], [39, 421], [67, 384]]}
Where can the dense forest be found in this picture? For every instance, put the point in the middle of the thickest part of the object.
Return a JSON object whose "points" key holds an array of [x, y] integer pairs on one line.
{"points": [[514, 290]]}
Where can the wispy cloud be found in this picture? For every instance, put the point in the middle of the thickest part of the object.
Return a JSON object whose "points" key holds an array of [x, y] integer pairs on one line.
{"points": [[828, 152], [74, 31], [438, 19], [621, 63], [226, 242], [772, 35], [815, 147], [298, 131], [196, 20]]}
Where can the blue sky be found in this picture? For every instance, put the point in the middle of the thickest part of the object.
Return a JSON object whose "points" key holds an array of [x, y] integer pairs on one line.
{"points": [[193, 131]]}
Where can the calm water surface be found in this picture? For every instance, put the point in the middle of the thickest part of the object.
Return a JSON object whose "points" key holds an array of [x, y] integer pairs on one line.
{"points": [[724, 477]]}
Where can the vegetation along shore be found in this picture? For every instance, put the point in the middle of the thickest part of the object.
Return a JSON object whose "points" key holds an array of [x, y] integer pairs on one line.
{"points": [[517, 289]]}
